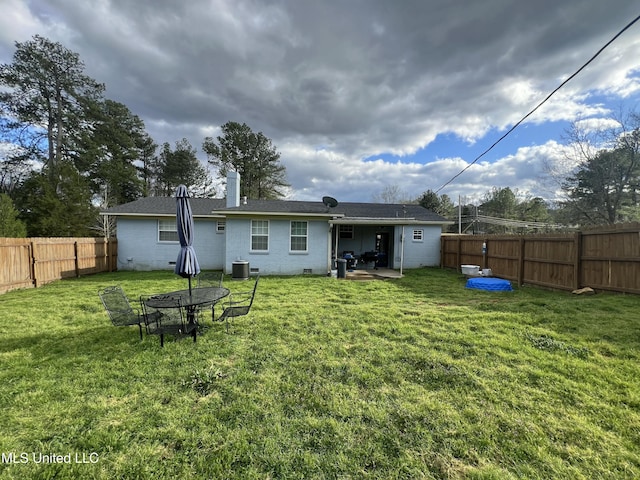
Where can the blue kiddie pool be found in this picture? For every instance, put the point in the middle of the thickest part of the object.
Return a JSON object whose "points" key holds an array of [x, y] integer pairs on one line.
{"points": [[491, 284]]}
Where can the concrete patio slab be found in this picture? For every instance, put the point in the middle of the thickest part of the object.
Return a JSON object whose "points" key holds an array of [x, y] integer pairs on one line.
{"points": [[379, 274]]}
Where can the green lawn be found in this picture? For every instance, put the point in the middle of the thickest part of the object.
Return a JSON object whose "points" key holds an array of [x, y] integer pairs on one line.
{"points": [[326, 378]]}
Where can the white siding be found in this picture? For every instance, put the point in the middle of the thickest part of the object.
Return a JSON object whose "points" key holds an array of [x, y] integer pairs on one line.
{"points": [[278, 260], [425, 253], [138, 241], [139, 248]]}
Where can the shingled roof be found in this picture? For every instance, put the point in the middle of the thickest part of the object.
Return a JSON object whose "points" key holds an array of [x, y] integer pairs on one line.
{"points": [[161, 206], [151, 206], [345, 209]]}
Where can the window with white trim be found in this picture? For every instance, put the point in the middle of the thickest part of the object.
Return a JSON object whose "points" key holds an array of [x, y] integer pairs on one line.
{"points": [[221, 226], [299, 236], [346, 231], [259, 235], [418, 235], [167, 231]]}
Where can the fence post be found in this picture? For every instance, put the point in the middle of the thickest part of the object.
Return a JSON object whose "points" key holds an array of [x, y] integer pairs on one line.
{"points": [[105, 259], [33, 265], [521, 262], [113, 254], [577, 260], [75, 254]]}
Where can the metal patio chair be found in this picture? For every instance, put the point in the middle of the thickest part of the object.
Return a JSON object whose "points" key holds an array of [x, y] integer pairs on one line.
{"points": [[238, 304], [209, 279], [119, 309], [164, 315]]}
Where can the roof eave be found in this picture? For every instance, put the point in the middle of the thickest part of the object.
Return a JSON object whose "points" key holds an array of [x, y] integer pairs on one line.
{"points": [[253, 213], [387, 221], [168, 215]]}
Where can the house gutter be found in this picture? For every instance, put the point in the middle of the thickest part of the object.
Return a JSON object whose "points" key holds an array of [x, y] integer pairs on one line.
{"points": [[385, 221], [246, 213], [154, 215]]}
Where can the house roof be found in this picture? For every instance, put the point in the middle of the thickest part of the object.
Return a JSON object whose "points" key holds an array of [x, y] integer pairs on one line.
{"points": [[343, 213], [346, 211], [163, 206]]}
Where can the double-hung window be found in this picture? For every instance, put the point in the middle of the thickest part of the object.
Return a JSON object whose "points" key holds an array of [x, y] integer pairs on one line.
{"points": [[299, 236], [346, 231], [418, 235], [259, 235], [167, 231]]}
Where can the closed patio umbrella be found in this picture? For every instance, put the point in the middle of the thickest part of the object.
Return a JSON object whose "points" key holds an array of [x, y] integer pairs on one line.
{"points": [[187, 264]]}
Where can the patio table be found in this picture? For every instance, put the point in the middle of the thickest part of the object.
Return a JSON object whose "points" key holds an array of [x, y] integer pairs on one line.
{"points": [[190, 299]]}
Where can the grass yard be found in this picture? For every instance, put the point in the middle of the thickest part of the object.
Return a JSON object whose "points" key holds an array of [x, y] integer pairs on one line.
{"points": [[411, 378]]}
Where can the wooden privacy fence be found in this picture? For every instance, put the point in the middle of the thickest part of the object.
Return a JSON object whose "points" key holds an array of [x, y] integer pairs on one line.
{"points": [[606, 258], [31, 262]]}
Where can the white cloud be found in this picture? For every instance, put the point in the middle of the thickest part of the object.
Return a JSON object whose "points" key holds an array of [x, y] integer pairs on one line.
{"points": [[334, 83], [595, 124]]}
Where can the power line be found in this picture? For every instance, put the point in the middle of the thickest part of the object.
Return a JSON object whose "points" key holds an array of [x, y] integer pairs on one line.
{"points": [[541, 103], [508, 222]]}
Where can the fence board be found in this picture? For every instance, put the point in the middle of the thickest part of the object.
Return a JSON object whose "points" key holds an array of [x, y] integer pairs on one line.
{"points": [[31, 262], [611, 261], [16, 266], [607, 258]]}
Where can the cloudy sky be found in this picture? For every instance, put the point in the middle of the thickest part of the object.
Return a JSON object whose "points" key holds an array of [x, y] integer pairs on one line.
{"points": [[358, 96]]}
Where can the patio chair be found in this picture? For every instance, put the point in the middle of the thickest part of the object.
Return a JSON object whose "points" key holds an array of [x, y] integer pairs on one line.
{"points": [[238, 304], [164, 314], [119, 309], [209, 279]]}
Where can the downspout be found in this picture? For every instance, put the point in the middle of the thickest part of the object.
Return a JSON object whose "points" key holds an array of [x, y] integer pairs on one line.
{"points": [[336, 250], [459, 215], [401, 250], [329, 249]]}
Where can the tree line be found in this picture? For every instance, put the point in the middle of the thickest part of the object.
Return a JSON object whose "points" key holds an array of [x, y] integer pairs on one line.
{"points": [[599, 177], [498, 202], [67, 151]]}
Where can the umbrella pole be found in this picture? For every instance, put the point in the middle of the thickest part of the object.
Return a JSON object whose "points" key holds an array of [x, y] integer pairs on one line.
{"points": [[191, 311]]}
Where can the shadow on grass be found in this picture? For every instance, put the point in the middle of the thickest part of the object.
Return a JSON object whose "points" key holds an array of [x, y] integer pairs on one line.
{"points": [[95, 341]]}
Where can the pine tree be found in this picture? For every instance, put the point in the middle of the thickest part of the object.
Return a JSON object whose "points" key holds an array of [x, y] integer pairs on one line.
{"points": [[250, 154], [10, 225]]}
